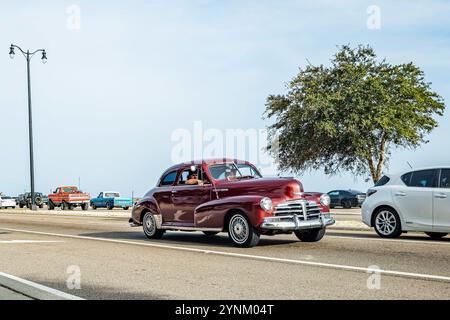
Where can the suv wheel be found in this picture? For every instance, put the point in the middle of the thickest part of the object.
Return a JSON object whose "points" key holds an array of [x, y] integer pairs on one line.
{"points": [[387, 223], [436, 235], [84, 206], [241, 232], [311, 235]]}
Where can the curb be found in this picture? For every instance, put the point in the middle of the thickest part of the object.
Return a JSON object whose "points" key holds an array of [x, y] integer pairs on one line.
{"points": [[32, 290]]}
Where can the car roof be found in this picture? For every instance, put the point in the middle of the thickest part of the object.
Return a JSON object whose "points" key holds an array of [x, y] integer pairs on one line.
{"points": [[393, 175], [206, 162]]}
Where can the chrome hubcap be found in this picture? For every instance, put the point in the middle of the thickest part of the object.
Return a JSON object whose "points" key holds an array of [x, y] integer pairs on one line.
{"points": [[386, 222], [149, 224], [239, 229]]}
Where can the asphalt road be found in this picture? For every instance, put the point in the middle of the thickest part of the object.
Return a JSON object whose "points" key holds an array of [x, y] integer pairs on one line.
{"points": [[118, 262]]}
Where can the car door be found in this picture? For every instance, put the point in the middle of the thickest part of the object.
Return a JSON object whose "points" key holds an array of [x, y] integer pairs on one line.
{"points": [[414, 199], [441, 203], [163, 196], [99, 201], [186, 198]]}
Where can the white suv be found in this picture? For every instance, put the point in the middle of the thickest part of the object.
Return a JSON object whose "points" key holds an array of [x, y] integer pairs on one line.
{"points": [[417, 200]]}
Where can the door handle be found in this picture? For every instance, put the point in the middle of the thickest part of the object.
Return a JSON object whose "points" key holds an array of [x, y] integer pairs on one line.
{"points": [[441, 196], [400, 194], [174, 191]]}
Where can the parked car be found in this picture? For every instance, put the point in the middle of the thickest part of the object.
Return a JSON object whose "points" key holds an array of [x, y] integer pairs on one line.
{"points": [[68, 198], [111, 200], [223, 195], [24, 200], [416, 200], [346, 198], [7, 202]]}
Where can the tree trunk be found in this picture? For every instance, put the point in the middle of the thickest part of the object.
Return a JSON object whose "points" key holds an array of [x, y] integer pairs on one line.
{"points": [[376, 172]]}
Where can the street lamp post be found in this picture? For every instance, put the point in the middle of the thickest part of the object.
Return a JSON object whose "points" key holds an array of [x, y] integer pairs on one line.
{"points": [[28, 57]]}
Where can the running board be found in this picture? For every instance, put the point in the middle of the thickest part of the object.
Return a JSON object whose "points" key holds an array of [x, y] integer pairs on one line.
{"points": [[169, 227]]}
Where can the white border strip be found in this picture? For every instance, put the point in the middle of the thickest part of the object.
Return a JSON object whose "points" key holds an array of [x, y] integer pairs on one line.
{"points": [[41, 287], [419, 276]]}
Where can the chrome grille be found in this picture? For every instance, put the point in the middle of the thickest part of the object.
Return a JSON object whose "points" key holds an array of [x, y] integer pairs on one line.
{"points": [[296, 207]]}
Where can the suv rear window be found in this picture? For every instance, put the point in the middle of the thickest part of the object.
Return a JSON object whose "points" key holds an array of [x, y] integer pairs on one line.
{"points": [[384, 180]]}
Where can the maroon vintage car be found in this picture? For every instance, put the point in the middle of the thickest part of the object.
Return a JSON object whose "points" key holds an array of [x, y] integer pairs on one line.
{"points": [[229, 195]]}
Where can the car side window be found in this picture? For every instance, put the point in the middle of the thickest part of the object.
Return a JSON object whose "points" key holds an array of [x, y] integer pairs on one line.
{"points": [[423, 179], [169, 179], [406, 178], [445, 178], [333, 193], [184, 177]]}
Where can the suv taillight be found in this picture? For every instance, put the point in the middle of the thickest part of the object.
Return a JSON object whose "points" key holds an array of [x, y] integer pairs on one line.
{"points": [[371, 192]]}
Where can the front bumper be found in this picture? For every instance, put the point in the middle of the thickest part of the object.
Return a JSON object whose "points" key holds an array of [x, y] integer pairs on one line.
{"points": [[292, 223]]}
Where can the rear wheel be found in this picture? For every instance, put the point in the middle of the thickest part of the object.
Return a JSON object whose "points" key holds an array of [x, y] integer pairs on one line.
{"points": [[347, 204], [84, 206], [110, 206], [241, 232], [150, 228], [311, 235], [436, 235], [387, 223], [63, 206], [125, 208]]}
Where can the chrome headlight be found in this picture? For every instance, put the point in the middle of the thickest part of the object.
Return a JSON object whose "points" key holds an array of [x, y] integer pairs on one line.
{"points": [[266, 204], [325, 200]]}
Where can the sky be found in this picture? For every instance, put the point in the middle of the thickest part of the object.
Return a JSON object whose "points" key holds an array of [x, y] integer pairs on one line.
{"points": [[124, 77]]}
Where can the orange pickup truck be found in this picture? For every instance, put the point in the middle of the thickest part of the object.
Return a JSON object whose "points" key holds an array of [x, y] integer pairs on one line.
{"points": [[68, 198]]}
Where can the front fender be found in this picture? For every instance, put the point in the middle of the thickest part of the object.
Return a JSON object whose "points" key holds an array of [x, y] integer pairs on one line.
{"points": [[212, 214], [149, 204]]}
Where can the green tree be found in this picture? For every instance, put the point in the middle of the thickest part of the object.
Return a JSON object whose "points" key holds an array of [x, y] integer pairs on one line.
{"points": [[350, 115]]}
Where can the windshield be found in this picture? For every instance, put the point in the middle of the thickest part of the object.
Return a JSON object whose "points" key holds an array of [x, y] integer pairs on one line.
{"points": [[112, 195], [231, 171]]}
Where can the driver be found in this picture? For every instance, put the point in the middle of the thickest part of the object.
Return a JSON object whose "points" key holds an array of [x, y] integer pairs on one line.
{"points": [[232, 174], [193, 179]]}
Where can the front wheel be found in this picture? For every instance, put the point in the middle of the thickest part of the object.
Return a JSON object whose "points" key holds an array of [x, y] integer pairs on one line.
{"points": [[94, 207], [311, 235], [241, 232], [125, 208], [110, 206], [387, 223], [436, 235], [84, 206], [150, 228], [50, 205]]}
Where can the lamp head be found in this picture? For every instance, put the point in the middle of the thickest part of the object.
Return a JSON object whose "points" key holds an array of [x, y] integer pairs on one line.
{"points": [[11, 52], [44, 56]]}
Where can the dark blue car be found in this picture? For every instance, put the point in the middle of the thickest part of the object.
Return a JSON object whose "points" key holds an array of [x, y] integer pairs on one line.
{"points": [[346, 198]]}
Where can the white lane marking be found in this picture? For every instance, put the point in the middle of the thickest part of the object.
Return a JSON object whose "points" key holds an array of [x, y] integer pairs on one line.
{"points": [[420, 276], [29, 241], [414, 241], [41, 287]]}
